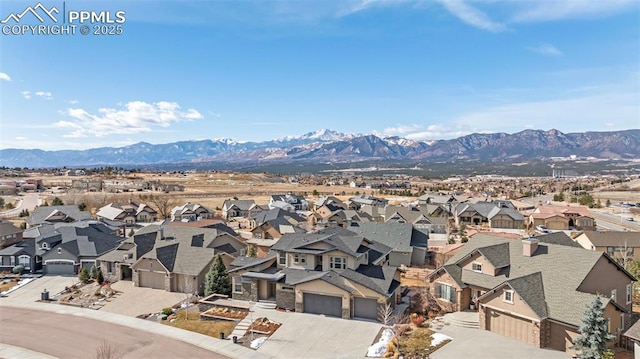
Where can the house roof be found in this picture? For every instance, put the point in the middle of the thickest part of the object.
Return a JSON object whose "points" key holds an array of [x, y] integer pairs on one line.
{"points": [[241, 204], [84, 241], [550, 211], [530, 290], [7, 228], [43, 213], [491, 209], [242, 263], [634, 331], [377, 278], [399, 236], [277, 214], [562, 269], [613, 238], [559, 238], [187, 207]]}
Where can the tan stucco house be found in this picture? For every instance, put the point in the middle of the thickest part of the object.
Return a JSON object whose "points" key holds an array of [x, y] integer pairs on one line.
{"points": [[531, 291]]}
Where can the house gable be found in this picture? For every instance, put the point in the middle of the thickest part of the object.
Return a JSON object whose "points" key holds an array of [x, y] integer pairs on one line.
{"points": [[517, 306], [471, 263], [606, 276]]}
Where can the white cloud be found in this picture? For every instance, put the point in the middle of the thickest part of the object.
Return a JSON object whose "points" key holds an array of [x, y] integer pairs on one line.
{"points": [[353, 7], [20, 138], [4, 77], [26, 94], [547, 50], [399, 130], [440, 131], [45, 95], [73, 102], [471, 15], [135, 117], [551, 10]]}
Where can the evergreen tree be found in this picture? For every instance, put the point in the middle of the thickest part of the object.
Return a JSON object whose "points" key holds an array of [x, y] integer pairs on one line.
{"points": [[217, 280], [594, 334], [253, 252], [99, 276], [83, 276], [57, 202], [93, 273]]}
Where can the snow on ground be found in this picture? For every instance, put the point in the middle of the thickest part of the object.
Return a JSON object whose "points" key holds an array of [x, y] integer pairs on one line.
{"points": [[437, 338], [20, 284], [256, 343], [378, 349]]}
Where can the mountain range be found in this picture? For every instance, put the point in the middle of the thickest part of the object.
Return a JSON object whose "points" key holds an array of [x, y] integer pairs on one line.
{"points": [[331, 146]]}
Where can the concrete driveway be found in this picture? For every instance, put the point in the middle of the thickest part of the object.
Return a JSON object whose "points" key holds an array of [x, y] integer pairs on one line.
{"points": [[483, 344], [133, 301], [312, 336], [31, 291]]}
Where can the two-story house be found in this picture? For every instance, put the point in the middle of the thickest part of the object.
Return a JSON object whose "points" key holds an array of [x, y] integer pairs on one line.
{"points": [[408, 244], [190, 212], [332, 272], [622, 246], [289, 202], [531, 291], [128, 213]]}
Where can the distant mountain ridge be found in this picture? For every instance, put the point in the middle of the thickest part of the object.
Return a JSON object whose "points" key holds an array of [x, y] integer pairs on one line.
{"points": [[331, 146]]}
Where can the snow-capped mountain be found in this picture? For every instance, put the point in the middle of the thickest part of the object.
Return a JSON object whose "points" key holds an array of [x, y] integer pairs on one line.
{"points": [[331, 146]]}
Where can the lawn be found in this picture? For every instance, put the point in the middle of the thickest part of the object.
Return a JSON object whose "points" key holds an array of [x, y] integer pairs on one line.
{"points": [[8, 284], [417, 343], [192, 322]]}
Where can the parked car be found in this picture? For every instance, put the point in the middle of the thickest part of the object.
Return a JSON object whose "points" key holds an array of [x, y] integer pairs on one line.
{"points": [[630, 219], [542, 229]]}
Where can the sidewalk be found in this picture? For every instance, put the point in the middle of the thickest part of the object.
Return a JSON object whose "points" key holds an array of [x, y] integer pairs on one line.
{"points": [[9, 351]]}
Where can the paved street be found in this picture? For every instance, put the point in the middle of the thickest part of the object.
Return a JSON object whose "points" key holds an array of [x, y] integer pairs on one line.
{"points": [[68, 336], [29, 202]]}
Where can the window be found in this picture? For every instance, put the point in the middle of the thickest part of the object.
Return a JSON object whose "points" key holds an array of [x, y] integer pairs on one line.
{"points": [[12, 259], [622, 322], [25, 261], [476, 267], [628, 293], [614, 294], [445, 292], [508, 296], [237, 284], [282, 259], [338, 262], [257, 235], [299, 258], [45, 245]]}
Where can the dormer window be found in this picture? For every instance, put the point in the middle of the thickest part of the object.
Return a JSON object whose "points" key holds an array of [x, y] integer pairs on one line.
{"points": [[508, 296], [476, 267], [44, 245]]}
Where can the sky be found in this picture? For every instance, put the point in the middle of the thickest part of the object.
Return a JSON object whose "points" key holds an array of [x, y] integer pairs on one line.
{"points": [[260, 70]]}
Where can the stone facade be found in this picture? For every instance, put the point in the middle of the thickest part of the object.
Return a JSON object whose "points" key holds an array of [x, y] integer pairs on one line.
{"points": [[346, 313], [535, 334], [286, 299], [249, 292], [299, 307]]}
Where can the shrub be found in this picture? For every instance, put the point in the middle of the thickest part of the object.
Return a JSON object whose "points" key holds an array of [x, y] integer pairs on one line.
{"points": [[93, 273], [167, 311], [83, 276], [99, 276], [97, 293], [18, 269]]}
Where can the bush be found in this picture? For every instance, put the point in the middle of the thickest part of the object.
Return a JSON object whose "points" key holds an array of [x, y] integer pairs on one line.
{"points": [[97, 293], [18, 269], [167, 311], [83, 276], [99, 276]]}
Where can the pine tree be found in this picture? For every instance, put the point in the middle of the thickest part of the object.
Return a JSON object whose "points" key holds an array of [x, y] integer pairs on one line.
{"points": [[217, 280], [253, 252], [99, 276], [83, 276], [594, 334], [93, 273]]}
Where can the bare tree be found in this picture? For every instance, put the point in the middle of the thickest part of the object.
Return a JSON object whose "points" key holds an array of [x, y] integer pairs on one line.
{"points": [[107, 350], [189, 292], [385, 314], [624, 257], [163, 204], [396, 322]]}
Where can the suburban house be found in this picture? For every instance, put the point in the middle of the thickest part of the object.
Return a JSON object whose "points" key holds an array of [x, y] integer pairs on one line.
{"points": [[190, 212], [418, 216], [9, 234], [333, 272], [288, 202], [358, 201], [128, 213], [534, 292], [73, 246], [437, 198], [333, 216], [619, 245], [496, 214], [270, 226], [633, 337], [175, 259], [232, 208], [408, 244], [562, 218], [329, 200], [56, 214]]}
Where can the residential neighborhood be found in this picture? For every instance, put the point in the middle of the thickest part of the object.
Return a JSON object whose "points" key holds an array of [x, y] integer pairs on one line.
{"points": [[462, 264]]}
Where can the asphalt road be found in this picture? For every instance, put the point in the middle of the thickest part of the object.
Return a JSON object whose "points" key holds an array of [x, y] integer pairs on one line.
{"points": [[29, 202], [66, 336]]}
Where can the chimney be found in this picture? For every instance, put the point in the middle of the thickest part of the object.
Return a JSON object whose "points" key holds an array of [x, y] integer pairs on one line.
{"points": [[529, 246]]}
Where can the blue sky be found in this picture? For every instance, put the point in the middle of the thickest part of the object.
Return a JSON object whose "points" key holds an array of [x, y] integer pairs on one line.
{"points": [[259, 70]]}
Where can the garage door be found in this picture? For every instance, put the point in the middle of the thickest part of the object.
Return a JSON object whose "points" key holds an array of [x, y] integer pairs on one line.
{"points": [[59, 267], [151, 280], [508, 325], [365, 308], [322, 304]]}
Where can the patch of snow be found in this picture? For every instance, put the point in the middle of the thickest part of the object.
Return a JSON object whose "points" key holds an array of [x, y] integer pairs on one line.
{"points": [[437, 338], [378, 349], [257, 343]]}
